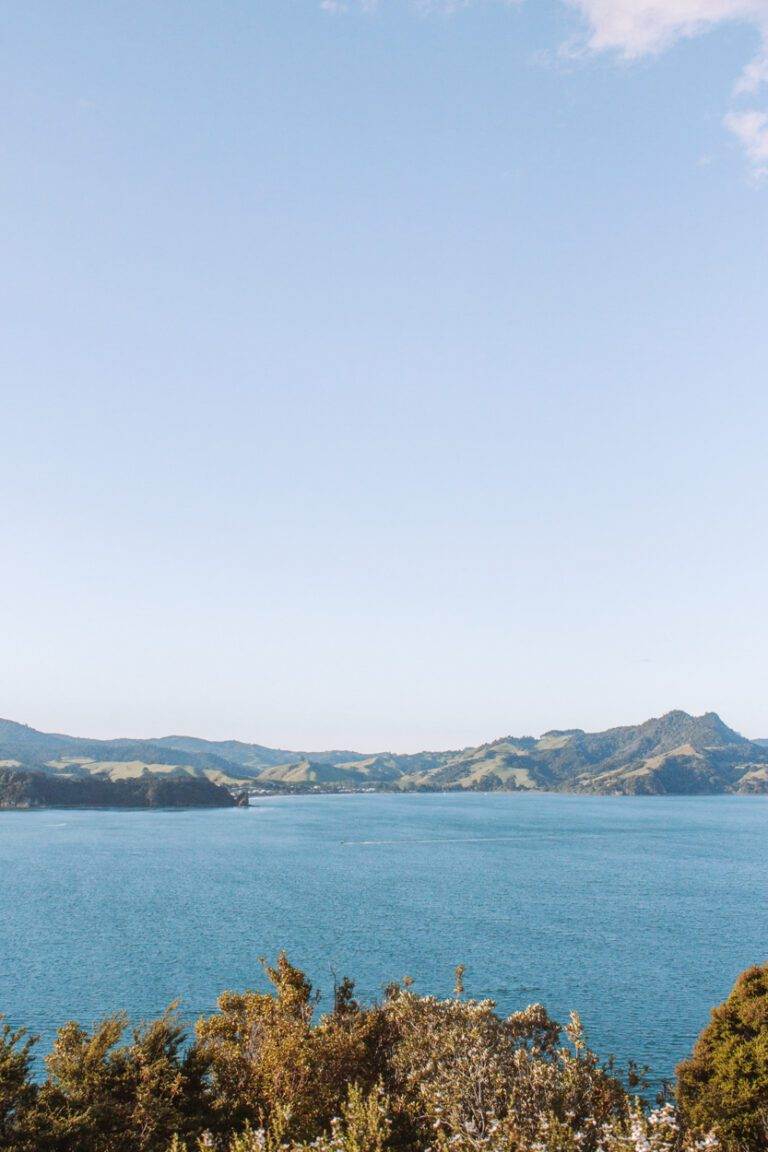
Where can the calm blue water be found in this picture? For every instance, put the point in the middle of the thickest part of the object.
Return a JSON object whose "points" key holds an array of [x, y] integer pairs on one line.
{"points": [[639, 913]]}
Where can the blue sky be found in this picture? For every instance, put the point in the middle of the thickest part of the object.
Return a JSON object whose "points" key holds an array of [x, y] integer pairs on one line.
{"points": [[391, 376]]}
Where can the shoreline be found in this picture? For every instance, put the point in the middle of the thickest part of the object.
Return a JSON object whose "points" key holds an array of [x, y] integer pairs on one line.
{"points": [[529, 792]]}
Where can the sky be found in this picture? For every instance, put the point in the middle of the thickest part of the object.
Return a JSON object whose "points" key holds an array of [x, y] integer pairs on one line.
{"points": [[383, 375]]}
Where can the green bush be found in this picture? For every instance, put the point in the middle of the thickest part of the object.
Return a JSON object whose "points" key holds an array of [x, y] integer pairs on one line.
{"points": [[723, 1087], [18, 1094]]}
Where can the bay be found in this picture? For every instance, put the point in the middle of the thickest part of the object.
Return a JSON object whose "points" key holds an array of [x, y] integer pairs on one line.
{"points": [[637, 912]]}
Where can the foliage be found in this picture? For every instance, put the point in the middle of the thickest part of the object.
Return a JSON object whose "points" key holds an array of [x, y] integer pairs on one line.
{"points": [[409, 1074], [18, 1094], [105, 1095], [724, 1085], [267, 1059]]}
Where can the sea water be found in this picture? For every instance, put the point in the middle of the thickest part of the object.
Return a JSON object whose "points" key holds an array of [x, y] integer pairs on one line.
{"points": [[638, 913]]}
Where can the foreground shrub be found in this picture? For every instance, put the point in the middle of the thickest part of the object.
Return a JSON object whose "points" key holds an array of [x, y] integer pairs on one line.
{"points": [[265, 1073], [723, 1087], [103, 1094], [451, 1072], [365, 1126], [460, 1075], [266, 1059], [18, 1095]]}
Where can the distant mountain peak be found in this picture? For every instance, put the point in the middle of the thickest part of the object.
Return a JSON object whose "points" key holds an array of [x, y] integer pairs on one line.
{"points": [[708, 722]]}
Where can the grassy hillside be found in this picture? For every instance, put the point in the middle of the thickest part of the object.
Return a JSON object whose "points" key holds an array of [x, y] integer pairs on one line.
{"points": [[75, 756], [675, 753]]}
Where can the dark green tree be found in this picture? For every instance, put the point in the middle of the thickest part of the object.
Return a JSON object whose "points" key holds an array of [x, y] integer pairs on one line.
{"points": [[18, 1093], [103, 1094], [723, 1087]]}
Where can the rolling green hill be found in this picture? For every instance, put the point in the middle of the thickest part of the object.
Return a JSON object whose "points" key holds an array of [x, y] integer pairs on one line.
{"points": [[675, 753]]}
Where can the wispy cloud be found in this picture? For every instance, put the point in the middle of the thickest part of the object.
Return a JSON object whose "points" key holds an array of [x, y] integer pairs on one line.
{"points": [[755, 74], [639, 28], [336, 6], [633, 29], [751, 130], [636, 28]]}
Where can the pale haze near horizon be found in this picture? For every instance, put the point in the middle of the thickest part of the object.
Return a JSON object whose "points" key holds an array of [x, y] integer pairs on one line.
{"points": [[382, 379]]}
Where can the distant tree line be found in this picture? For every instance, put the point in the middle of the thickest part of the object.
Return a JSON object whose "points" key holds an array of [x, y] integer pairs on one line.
{"points": [[409, 1074], [20, 788]]}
